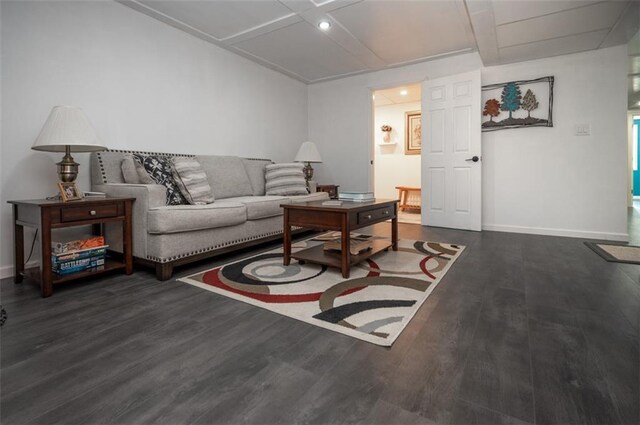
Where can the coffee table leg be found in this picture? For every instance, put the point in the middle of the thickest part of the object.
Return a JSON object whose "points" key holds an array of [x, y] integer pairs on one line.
{"points": [[394, 230], [346, 251], [286, 239]]}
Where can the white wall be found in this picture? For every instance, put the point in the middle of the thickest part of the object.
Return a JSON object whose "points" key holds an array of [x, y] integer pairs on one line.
{"points": [[341, 117], [548, 180], [535, 180], [143, 84], [392, 167]]}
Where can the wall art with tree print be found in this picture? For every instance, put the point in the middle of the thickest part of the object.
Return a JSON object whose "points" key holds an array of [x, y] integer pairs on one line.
{"points": [[527, 103]]}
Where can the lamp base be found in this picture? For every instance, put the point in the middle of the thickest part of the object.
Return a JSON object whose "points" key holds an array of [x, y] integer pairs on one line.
{"points": [[67, 168], [308, 173]]}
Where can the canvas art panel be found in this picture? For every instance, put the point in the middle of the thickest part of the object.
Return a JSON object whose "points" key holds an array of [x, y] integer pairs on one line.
{"points": [[526, 103]]}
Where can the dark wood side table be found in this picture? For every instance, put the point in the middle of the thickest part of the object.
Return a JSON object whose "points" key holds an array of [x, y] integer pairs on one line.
{"points": [[45, 215], [331, 189], [344, 218]]}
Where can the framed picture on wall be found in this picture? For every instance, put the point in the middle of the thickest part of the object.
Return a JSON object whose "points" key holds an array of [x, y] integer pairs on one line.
{"points": [[413, 133]]}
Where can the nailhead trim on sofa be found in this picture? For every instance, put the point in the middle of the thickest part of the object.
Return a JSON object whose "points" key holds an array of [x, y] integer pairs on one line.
{"points": [[212, 248]]}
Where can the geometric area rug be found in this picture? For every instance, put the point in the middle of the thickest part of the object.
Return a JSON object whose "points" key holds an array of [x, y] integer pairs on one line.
{"points": [[374, 304], [616, 252]]}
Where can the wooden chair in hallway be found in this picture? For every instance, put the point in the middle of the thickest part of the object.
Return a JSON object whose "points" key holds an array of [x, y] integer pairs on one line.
{"points": [[410, 198]]}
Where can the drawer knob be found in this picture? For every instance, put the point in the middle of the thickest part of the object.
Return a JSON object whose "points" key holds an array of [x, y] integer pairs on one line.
{"points": [[368, 217], [92, 212], [386, 213]]}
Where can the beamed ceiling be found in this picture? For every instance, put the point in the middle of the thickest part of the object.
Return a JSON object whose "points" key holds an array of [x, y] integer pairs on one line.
{"points": [[370, 35]]}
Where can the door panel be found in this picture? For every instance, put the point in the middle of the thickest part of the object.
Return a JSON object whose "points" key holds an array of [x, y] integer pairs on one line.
{"points": [[462, 182], [436, 131], [451, 118], [461, 128], [436, 190]]}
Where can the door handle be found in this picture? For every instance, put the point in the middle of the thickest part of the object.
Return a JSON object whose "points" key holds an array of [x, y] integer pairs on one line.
{"points": [[473, 159]]}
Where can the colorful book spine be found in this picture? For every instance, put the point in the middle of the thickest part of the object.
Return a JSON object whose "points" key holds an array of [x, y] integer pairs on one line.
{"points": [[77, 255], [82, 264]]}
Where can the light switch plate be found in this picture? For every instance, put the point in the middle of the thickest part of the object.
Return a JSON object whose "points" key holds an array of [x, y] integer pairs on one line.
{"points": [[582, 130]]}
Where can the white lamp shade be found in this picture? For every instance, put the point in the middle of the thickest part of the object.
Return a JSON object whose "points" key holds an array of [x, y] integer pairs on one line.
{"points": [[67, 126], [308, 152]]}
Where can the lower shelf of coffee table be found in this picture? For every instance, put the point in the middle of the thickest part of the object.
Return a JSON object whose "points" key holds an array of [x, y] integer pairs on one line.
{"points": [[318, 255]]}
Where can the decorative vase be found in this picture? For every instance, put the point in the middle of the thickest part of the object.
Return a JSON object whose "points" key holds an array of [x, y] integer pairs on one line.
{"points": [[386, 136]]}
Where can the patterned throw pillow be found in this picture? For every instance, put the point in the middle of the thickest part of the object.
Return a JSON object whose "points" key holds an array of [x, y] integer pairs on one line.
{"points": [[285, 179], [159, 169], [192, 180]]}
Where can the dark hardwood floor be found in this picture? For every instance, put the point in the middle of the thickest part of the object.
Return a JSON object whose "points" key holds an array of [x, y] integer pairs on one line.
{"points": [[522, 329]]}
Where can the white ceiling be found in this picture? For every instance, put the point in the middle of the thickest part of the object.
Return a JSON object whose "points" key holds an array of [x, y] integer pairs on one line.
{"points": [[369, 35], [395, 96]]}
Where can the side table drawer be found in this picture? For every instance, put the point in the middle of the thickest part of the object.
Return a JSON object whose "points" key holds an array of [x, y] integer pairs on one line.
{"points": [[375, 215], [68, 214]]}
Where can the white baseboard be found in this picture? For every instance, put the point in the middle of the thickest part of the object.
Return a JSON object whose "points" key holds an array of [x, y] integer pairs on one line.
{"points": [[8, 271], [622, 237]]}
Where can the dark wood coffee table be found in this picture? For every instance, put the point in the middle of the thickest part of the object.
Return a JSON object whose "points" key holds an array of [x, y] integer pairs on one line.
{"points": [[344, 218]]}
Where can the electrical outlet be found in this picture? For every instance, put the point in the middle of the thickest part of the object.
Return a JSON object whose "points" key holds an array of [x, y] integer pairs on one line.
{"points": [[582, 130]]}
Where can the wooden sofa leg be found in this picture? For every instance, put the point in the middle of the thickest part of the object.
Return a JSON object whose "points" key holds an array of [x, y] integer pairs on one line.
{"points": [[164, 271]]}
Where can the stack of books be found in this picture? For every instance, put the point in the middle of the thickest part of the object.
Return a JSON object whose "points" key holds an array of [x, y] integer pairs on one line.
{"points": [[76, 256], [77, 245], [356, 196], [357, 244], [93, 195]]}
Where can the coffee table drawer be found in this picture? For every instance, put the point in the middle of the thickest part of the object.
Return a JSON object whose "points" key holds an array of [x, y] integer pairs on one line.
{"points": [[371, 216]]}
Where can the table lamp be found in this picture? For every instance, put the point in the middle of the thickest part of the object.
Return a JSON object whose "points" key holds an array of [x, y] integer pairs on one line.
{"points": [[67, 130], [308, 153]]}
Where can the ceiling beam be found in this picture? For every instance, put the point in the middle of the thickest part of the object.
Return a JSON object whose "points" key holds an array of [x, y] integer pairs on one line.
{"points": [[484, 30]]}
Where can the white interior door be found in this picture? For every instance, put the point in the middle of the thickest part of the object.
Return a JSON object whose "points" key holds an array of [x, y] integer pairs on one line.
{"points": [[451, 152]]}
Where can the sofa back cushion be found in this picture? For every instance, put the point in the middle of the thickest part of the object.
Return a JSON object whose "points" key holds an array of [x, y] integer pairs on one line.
{"points": [[227, 176], [191, 180], [159, 169], [129, 171], [285, 179], [255, 169], [106, 166]]}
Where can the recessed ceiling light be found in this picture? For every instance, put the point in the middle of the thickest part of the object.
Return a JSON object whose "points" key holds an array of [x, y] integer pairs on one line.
{"points": [[403, 93], [374, 97], [324, 25]]}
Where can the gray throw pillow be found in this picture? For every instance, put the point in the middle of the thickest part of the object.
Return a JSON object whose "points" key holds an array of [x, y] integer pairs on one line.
{"points": [[129, 173], [191, 180], [285, 179]]}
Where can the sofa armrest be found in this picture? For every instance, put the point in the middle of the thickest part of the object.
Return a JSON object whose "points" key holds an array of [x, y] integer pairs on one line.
{"points": [[147, 196]]}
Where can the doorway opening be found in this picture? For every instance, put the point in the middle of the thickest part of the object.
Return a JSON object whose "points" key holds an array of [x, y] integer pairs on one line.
{"points": [[634, 207], [397, 143]]}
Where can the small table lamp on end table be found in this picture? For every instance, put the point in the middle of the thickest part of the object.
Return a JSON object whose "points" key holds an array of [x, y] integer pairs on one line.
{"points": [[308, 153], [67, 130]]}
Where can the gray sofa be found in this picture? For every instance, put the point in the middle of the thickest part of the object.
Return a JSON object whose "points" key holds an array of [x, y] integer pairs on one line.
{"points": [[167, 236]]}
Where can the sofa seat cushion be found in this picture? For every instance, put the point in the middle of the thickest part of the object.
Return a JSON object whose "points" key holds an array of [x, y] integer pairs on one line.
{"points": [[186, 218], [259, 206], [317, 196]]}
